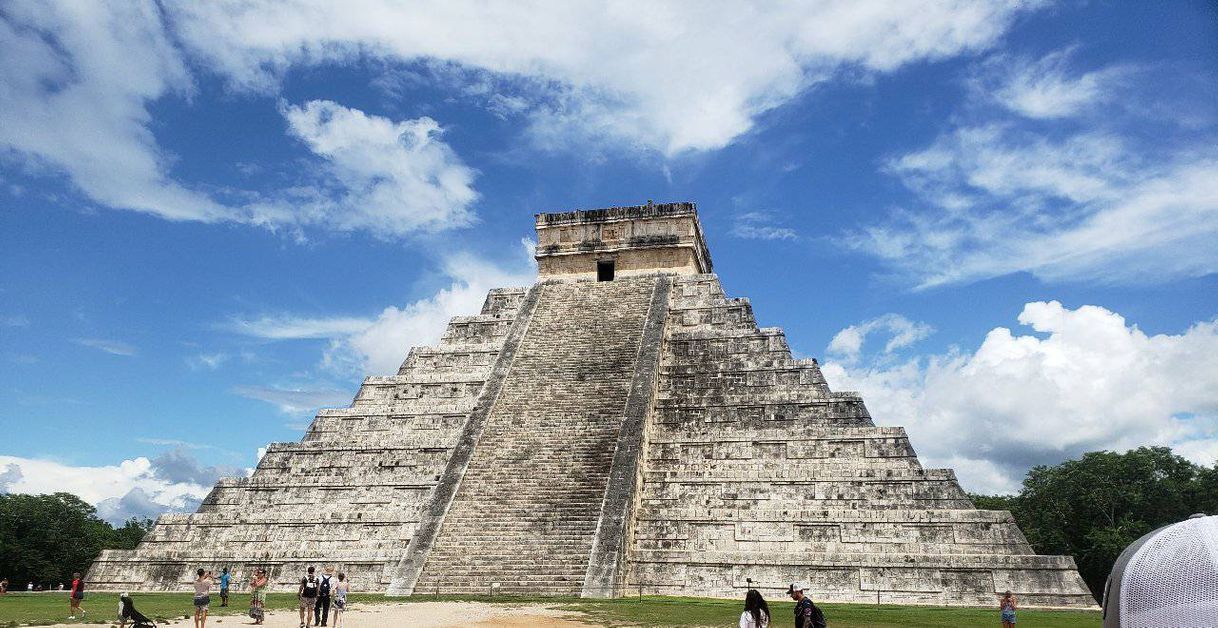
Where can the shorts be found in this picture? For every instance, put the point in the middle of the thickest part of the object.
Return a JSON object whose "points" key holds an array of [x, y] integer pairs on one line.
{"points": [[202, 602], [308, 602], [76, 597], [1008, 616], [340, 604], [223, 590]]}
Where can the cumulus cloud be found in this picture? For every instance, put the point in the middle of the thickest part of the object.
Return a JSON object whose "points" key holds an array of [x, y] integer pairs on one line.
{"points": [[999, 200], [389, 178], [848, 343], [177, 466], [1047, 88], [9, 476], [1084, 380], [76, 87], [129, 488], [378, 345], [113, 347]]}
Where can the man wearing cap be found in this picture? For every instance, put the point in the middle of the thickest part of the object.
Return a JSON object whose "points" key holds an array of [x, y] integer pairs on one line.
{"points": [[807, 614]]}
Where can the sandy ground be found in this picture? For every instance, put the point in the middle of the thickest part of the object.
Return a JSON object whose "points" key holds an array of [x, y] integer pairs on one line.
{"points": [[410, 615]]}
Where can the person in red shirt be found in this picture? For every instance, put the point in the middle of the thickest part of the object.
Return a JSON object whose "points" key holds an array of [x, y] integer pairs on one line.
{"points": [[75, 596]]}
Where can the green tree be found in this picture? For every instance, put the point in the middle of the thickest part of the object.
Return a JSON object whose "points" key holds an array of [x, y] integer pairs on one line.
{"points": [[1094, 507], [45, 538]]}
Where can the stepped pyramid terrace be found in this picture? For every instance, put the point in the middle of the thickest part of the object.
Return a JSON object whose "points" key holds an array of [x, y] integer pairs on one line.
{"points": [[621, 426]]}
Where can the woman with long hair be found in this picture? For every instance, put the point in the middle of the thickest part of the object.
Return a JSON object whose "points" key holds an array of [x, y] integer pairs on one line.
{"points": [[756, 612]]}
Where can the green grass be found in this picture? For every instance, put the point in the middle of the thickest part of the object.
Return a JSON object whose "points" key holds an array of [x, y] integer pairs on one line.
{"points": [[34, 609], [18, 609], [668, 611]]}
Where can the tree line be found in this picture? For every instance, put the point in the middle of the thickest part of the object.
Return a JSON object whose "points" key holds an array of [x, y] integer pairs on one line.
{"points": [[1092, 508], [45, 538]]}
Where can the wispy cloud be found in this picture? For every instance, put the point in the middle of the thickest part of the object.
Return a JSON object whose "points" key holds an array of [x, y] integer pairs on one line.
{"points": [[760, 226], [290, 327], [297, 401], [999, 201], [379, 344], [847, 344], [172, 442], [209, 361], [1048, 87], [113, 347]]}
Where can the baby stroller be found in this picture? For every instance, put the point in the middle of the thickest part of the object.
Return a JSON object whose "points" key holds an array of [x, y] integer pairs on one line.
{"points": [[127, 613]]}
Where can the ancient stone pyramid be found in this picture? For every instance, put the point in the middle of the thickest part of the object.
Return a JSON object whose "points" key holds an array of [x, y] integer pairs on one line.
{"points": [[619, 427]]}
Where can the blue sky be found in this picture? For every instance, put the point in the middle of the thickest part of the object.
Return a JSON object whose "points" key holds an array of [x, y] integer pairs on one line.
{"points": [[998, 221]]}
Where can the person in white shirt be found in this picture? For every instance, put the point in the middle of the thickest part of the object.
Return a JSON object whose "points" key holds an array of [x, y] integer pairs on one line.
{"points": [[756, 612]]}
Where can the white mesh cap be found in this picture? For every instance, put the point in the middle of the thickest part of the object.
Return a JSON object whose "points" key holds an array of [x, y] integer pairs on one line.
{"points": [[1167, 578]]}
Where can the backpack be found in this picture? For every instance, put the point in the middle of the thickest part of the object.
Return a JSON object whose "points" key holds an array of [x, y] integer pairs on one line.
{"points": [[325, 586], [310, 587], [818, 617]]}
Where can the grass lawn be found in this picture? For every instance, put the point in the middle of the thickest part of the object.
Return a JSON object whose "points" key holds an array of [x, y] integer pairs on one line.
{"points": [[32, 609], [18, 609], [668, 611]]}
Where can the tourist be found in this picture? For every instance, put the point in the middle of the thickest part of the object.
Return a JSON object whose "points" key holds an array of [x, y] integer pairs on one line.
{"points": [[340, 599], [75, 596], [321, 611], [807, 614], [308, 598], [4, 586], [756, 612], [202, 598], [1008, 606], [225, 580], [258, 596]]}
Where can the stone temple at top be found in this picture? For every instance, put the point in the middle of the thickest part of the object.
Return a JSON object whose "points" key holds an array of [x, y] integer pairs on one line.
{"points": [[619, 427]]}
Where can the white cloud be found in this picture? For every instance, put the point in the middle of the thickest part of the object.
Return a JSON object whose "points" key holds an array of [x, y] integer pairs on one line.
{"points": [[1087, 207], [848, 343], [1046, 88], [389, 178], [75, 86], [1087, 380], [129, 488], [288, 327], [209, 361], [297, 401], [594, 69], [113, 347], [382, 347], [80, 79], [378, 345], [760, 226]]}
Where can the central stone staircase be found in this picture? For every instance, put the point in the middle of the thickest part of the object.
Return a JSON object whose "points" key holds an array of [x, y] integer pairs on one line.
{"points": [[527, 509]]}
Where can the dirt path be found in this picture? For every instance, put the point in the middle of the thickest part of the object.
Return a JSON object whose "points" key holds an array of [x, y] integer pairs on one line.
{"points": [[412, 614]]}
